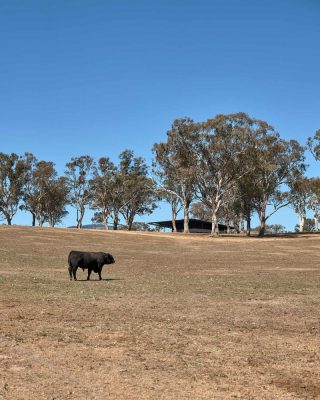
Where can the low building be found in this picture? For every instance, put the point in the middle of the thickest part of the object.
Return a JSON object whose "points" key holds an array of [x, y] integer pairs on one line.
{"points": [[195, 225]]}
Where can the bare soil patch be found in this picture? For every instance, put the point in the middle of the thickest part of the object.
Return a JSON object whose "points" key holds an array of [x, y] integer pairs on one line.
{"points": [[177, 317]]}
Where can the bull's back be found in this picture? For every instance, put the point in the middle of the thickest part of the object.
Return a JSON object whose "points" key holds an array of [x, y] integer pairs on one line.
{"points": [[75, 258]]}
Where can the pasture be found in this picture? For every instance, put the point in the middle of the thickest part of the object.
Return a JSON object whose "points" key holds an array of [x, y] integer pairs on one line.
{"points": [[176, 317]]}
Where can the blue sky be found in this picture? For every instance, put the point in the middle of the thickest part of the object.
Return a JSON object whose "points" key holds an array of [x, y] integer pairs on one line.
{"points": [[96, 77]]}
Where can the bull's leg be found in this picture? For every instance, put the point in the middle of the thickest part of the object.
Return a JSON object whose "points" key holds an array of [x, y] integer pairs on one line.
{"points": [[70, 272], [99, 272], [89, 273], [74, 272]]}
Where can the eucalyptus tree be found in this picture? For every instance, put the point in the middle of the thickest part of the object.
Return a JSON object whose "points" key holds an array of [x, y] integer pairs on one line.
{"points": [[103, 185], [138, 195], [29, 199], [280, 162], [55, 201], [248, 192], [12, 179], [313, 144], [40, 174], [299, 199], [79, 173], [224, 151], [229, 212], [175, 161], [174, 201], [200, 211], [276, 229], [117, 198], [314, 200]]}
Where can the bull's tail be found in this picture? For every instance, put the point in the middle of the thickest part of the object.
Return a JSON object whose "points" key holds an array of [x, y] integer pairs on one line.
{"points": [[70, 266], [69, 262]]}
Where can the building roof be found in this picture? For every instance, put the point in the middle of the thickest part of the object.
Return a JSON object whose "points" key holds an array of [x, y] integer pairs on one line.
{"points": [[193, 223]]}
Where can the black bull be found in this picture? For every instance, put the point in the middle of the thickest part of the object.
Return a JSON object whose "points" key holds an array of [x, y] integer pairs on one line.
{"points": [[88, 260]]}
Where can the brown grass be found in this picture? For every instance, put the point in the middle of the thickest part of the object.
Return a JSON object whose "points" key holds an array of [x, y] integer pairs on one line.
{"points": [[177, 317]]}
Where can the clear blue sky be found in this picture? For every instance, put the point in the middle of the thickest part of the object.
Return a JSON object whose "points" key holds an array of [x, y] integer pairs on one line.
{"points": [[96, 77]]}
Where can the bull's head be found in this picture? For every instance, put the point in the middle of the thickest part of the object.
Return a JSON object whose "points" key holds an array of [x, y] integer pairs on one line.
{"points": [[108, 259]]}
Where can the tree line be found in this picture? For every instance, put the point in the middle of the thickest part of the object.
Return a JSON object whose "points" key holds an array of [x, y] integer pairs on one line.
{"points": [[223, 169], [110, 190]]}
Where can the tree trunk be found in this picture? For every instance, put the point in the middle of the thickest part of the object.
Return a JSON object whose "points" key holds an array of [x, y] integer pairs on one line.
{"points": [[105, 221], [186, 220], [262, 216], [174, 225], [130, 222], [9, 219], [302, 220], [214, 228], [80, 217], [241, 223], [236, 227], [228, 227], [248, 224], [115, 222], [33, 219], [316, 223], [174, 214], [38, 217]]}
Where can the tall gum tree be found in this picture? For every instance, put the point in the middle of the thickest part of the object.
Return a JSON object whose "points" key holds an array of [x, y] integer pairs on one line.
{"points": [[299, 199], [103, 182], [138, 195], [176, 160], [55, 201], [175, 204], [78, 179], [12, 179], [30, 195], [170, 183], [279, 163], [223, 153], [40, 179], [313, 144], [314, 200], [248, 193], [116, 199]]}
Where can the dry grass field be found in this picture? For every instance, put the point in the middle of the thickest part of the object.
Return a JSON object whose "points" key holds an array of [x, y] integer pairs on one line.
{"points": [[176, 317]]}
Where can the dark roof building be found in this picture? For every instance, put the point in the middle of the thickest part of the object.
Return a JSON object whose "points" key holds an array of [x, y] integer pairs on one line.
{"points": [[195, 225]]}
